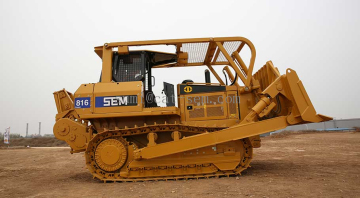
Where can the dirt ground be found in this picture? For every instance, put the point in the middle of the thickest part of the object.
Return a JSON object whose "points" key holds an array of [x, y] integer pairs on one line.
{"points": [[299, 165]]}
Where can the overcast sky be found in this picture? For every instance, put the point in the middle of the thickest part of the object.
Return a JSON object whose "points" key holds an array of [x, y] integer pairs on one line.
{"points": [[48, 45]]}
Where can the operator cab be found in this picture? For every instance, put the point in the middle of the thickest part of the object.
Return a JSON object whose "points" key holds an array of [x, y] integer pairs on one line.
{"points": [[197, 101], [136, 66]]}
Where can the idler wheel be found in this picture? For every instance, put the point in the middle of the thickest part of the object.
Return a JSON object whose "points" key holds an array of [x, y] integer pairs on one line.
{"points": [[110, 154]]}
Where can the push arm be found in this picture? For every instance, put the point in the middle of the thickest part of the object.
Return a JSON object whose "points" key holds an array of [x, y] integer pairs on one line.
{"points": [[301, 111]]}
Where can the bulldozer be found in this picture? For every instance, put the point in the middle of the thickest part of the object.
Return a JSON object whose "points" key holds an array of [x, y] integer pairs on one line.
{"points": [[205, 130]]}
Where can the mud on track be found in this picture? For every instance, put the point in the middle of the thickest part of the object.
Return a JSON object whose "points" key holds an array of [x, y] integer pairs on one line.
{"points": [[300, 165]]}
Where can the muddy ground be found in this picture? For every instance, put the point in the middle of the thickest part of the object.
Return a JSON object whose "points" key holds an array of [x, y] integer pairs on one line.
{"points": [[299, 165]]}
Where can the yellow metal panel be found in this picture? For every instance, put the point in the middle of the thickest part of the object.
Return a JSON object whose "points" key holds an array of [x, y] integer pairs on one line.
{"points": [[209, 139], [106, 72], [232, 104], [301, 98], [207, 106], [119, 89], [85, 90], [123, 49], [64, 101], [247, 101], [182, 106]]}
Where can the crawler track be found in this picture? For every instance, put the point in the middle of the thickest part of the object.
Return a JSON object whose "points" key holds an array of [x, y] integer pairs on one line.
{"points": [[188, 170]]}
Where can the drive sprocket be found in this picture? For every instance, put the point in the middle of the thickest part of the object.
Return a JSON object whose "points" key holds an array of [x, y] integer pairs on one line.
{"points": [[111, 154]]}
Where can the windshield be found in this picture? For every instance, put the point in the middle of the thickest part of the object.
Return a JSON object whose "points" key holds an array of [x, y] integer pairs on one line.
{"points": [[128, 67]]}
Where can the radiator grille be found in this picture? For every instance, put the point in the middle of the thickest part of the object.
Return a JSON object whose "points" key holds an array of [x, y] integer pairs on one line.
{"points": [[197, 113], [232, 104], [195, 100], [214, 100], [215, 111], [207, 106]]}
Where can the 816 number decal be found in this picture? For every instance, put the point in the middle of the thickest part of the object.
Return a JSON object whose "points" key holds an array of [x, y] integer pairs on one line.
{"points": [[82, 102]]}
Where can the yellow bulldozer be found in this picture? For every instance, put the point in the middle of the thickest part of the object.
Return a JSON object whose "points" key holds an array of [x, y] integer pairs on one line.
{"points": [[205, 130]]}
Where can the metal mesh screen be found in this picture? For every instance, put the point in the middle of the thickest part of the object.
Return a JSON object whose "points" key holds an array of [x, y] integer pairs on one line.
{"points": [[241, 69], [230, 47], [196, 51], [214, 99], [215, 111], [195, 100], [232, 104], [196, 113]]}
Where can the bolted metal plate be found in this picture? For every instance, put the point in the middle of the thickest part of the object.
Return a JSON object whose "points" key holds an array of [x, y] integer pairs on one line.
{"points": [[110, 155]]}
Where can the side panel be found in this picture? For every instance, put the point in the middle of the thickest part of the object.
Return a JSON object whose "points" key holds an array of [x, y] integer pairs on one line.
{"points": [[247, 101], [118, 97], [208, 102], [232, 102], [210, 106], [84, 99]]}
